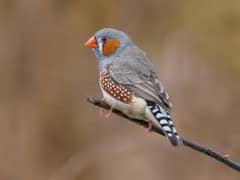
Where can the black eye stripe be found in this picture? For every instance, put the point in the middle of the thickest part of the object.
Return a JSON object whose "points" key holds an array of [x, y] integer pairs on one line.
{"points": [[103, 42], [104, 39]]}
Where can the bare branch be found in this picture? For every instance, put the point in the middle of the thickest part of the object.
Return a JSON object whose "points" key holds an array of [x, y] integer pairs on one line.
{"points": [[225, 159]]}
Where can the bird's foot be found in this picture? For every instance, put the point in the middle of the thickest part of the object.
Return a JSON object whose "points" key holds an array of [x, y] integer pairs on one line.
{"points": [[101, 112], [109, 113], [149, 128]]}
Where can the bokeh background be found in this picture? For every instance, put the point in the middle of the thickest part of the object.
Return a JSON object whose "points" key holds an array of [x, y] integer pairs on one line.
{"points": [[49, 131]]}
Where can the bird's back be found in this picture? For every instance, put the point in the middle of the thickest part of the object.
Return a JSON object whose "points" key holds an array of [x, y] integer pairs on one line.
{"points": [[133, 69]]}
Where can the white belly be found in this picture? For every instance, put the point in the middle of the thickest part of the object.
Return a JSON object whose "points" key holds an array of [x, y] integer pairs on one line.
{"points": [[135, 109]]}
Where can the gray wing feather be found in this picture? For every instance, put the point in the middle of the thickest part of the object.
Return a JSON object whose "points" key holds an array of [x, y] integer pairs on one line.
{"points": [[134, 71]]}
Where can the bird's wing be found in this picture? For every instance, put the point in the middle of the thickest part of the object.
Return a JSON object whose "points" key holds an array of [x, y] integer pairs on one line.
{"points": [[137, 74]]}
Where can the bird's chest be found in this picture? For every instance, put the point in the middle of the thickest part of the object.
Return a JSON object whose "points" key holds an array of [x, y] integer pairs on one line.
{"points": [[120, 97], [113, 89]]}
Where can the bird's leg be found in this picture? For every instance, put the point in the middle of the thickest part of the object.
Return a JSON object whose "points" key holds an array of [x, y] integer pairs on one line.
{"points": [[109, 112], [101, 109], [149, 128], [101, 112]]}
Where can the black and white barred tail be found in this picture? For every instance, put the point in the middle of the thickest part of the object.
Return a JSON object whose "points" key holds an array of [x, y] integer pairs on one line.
{"points": [[164, 119]]}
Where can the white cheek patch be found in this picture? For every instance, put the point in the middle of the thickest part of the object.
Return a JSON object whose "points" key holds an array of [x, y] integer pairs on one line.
{"points": [[100, 45]]}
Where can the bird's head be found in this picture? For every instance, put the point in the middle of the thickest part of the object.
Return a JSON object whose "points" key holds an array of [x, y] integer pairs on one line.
{"points": [[108, 43]]}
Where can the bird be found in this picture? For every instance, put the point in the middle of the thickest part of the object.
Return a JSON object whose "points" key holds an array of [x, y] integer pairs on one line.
{"points": [[129, 82]]}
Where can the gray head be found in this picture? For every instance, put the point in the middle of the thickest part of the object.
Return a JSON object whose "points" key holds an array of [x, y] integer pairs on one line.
{"points": [[108, 43]]}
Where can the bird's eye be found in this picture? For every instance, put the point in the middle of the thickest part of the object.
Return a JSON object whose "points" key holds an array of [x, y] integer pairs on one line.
{"points": [[104, 40]]}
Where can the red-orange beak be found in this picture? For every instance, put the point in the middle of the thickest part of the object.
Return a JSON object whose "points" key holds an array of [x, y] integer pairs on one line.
{"points": [[91, 43]]}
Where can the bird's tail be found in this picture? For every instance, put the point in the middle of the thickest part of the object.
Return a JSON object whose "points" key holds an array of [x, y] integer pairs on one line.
{"points": [[164, 120]]}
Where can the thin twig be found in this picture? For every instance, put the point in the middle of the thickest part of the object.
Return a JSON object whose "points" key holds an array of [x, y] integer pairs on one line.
{"points": [[225, 159]]}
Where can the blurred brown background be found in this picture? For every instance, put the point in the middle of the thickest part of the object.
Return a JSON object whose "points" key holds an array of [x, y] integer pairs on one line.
{"points": [[49, 131]]}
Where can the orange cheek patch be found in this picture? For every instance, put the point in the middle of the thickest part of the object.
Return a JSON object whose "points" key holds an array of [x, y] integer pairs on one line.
{"points": [[110, 46]]}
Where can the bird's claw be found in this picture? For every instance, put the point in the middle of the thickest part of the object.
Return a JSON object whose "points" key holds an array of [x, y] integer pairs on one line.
{"points": [[109, 113], [149, 128], [101, 110]]}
